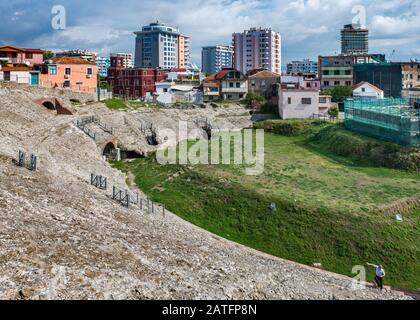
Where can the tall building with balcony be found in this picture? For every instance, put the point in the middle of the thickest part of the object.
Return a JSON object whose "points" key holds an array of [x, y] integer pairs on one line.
{"points": [[257, 49], [184, 52], [161, 46], [127, 58], [215, 58], [354, 39]]}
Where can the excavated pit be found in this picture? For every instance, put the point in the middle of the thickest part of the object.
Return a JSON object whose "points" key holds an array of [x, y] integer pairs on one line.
{"points": [[62, 238]]}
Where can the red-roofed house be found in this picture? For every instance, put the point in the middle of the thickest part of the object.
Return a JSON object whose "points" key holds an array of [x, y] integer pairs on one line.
{"points": [[11, 54], [227, 84], [366, 90], [71, 73]]}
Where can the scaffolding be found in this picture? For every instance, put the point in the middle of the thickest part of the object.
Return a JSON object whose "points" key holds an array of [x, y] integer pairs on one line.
{"points": [[393, 119]]}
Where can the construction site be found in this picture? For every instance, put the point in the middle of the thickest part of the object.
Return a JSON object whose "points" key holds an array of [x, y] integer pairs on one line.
{"points": [[73, 227], [394, 119]]}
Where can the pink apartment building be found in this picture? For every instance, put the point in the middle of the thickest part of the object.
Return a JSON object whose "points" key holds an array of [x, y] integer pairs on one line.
{"points": [[71, 73], [16, 55], [257, 49]]}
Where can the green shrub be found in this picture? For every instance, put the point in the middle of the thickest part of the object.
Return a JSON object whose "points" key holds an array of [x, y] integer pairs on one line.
{"points": [[345, 143], [254, 100], [288, 127]]}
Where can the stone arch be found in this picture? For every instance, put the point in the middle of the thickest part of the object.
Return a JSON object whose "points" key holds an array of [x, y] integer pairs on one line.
{"points": [[49, 104], [55, 105], [109, 148]]}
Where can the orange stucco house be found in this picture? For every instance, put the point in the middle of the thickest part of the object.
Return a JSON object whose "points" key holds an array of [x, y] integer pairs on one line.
{"points": [[71, 73]]}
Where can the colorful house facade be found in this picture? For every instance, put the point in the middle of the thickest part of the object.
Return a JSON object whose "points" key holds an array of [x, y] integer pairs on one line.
{"points": [[15, 55], [71, 73], [19, 74]]}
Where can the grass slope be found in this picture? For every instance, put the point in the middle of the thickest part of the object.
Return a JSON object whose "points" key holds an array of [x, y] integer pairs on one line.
{"points": [[328, 208]]}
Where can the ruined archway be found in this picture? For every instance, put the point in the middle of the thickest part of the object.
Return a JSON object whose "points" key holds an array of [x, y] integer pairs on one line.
{"points": [[109, 150], [54, 104], [49, 105]]}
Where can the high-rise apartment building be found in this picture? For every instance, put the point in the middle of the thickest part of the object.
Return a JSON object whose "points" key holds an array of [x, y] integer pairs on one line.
{"points": [[103, 64], [257, 49], [184, 52], [354, 39], [127, 58], [161, 46], [215, 58]]}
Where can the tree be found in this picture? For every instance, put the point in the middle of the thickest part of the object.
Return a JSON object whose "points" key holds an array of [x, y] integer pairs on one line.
{"points": [[254, 100], [340, 93], [48, 55], [333, 112]]}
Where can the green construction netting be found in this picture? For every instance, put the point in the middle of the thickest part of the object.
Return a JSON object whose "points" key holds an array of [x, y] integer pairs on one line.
{"points": [[393, 119]]}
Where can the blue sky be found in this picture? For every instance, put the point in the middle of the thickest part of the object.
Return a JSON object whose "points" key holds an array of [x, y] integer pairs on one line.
{"points": [[308, 27]]}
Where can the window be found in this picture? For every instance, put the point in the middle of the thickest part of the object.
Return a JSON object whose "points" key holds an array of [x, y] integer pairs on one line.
{"points": [[231, 84], [238, 84], [325, 72], [348, 83], [253, 83], [348, 72], [322, 100], [67, 72], [289, 100], [336, 83], [89, 71], [363, 90], [263, 83], [337, 72], [308, 84], [29, 55], [165, 89], [53, 70], [66, 84], [326, 83], [306, 101]]}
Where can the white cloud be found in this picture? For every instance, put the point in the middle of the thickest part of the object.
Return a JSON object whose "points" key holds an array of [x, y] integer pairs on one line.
{"points": [[308, 27], [383, 25]]}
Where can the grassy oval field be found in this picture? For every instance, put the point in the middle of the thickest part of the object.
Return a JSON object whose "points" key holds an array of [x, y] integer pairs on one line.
{"points": [[329, 209]]}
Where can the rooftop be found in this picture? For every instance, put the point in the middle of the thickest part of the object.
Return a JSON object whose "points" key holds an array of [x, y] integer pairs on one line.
{"points": [[72, 60]]}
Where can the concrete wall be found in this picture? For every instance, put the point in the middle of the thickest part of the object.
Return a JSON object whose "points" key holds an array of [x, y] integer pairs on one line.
{"points": [[291, 105]]}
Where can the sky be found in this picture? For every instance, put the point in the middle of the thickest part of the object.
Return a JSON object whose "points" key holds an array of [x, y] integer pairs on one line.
{"points": [[308, 27]]}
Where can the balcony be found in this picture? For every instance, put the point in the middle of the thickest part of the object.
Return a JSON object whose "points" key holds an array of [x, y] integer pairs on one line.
{"points": [[235, 90]]}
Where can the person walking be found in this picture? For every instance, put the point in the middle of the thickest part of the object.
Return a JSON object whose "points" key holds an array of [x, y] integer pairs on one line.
{"points": [[379, 275]]}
